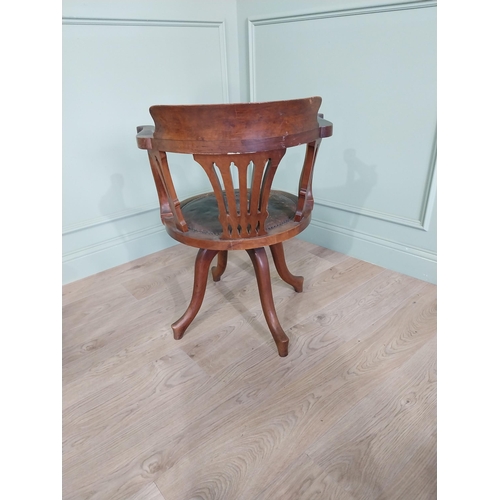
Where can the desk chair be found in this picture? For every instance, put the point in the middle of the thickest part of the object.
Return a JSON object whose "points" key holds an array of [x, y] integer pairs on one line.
{"points": [[243, 213]]}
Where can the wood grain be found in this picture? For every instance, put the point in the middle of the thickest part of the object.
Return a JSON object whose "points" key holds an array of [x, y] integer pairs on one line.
{"points": [[277, 430], [118, 275], [150, 492], [367, 448], [349, 414], [302, 480]]}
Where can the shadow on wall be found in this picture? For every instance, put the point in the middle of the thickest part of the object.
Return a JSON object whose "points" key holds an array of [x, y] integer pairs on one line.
{"points": [[113, 208], [361, 179], [112, 204]]}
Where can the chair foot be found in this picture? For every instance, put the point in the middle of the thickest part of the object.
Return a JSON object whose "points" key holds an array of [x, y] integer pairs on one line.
{"points": [[261, 266], [218, 271], [202, 264], [279, 260]]}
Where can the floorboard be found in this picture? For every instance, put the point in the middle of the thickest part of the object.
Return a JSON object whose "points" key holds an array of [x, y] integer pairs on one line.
{"points": [[349, 414]]}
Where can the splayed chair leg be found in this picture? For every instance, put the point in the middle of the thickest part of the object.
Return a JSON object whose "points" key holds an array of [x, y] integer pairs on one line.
{"points": [[279, 261], [218, 271], [261, 266], [202, 264]]}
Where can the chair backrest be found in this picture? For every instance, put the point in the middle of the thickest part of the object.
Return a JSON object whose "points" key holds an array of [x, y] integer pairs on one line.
{"points": [[245, 135]]}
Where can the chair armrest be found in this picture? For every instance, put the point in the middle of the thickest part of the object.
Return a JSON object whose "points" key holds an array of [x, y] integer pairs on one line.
{"points": [[144, 136], [325, 127]]}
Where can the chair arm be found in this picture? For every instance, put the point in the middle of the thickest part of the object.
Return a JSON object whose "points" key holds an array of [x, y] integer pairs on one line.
{"points": [[325, 127], [144, 136]]}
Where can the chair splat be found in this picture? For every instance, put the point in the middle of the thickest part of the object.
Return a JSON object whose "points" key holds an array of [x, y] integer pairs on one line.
{"points": [[243, 210]]}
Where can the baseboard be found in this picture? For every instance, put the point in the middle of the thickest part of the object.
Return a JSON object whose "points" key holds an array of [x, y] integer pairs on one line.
{"points": [[414, 262], [114, 252]]}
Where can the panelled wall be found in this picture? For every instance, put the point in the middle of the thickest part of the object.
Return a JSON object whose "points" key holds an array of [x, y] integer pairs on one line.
{"points": [[119, 58], [373, 64]]}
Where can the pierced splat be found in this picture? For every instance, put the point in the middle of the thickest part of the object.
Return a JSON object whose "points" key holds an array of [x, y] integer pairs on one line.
{"points": [[243, 210]]}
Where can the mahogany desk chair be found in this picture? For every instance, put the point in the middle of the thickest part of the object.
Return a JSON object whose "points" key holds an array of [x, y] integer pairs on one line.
{"points": [[250, 216]]}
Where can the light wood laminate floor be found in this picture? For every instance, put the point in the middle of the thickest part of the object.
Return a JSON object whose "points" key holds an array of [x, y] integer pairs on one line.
{"points": [[350, 414]]}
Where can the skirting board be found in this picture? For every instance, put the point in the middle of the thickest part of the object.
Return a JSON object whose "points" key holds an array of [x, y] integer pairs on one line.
{"points": [[413, 262], [108, 256]]}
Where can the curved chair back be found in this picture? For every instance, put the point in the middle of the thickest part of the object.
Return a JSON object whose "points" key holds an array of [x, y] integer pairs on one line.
{"points": [[251, 136]]}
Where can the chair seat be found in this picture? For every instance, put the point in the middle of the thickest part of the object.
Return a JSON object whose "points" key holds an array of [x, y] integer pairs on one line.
{"points": [[201, 212]]}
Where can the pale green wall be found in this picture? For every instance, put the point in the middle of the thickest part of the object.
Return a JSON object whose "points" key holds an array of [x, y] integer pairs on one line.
{"points": [[374, 64], [374, 67], [119, 58]]}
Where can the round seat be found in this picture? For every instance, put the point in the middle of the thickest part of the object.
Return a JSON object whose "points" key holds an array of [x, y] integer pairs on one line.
{"points": [[201, 214]]}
